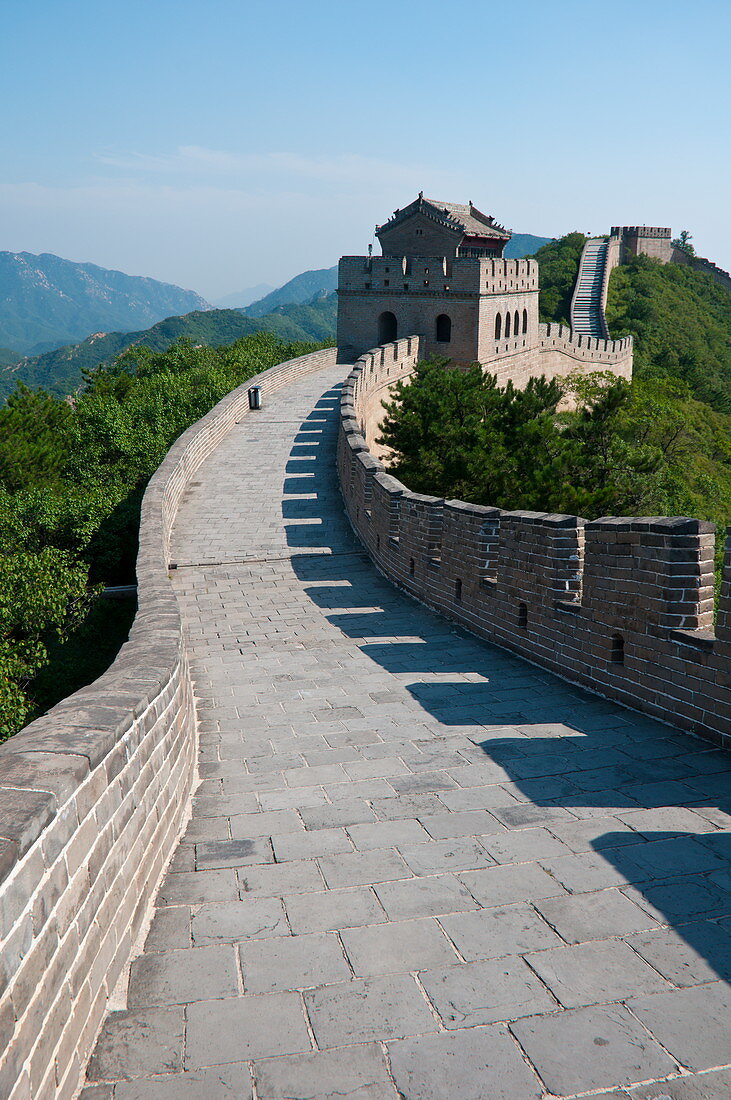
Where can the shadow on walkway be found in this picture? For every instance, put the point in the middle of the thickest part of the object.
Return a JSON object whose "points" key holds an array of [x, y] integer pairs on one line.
{"points": [[561, 748]]}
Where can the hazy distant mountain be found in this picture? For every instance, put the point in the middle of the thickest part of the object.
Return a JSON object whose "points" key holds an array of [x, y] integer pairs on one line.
{"points": [[46, 301], [60, 371], [303, 288], [524, 244], [243, 298]]}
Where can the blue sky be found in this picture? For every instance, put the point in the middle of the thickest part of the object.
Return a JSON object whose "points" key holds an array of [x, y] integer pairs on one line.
{"points": [[223, 144]]}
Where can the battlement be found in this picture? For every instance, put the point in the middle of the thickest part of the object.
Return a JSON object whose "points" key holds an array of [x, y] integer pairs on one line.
{"points": [[641, 231], [436, 275], [623, 606]]}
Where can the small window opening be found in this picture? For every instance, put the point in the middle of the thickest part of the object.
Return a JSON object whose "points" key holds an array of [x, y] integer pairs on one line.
{"points": [[617, 649], [507, 326], [498, 326], [412, 567], [516, 326], [522, 616], [525, 320], [458, 590]]}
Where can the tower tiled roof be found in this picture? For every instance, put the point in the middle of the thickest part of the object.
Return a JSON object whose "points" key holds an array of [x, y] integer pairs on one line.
{"points": [[456, 215]]}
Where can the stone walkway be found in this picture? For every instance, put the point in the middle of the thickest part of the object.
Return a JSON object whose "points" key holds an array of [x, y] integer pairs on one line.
{"points": [[417, 867]]}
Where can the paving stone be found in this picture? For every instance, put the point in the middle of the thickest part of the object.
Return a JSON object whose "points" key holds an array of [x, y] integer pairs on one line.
{"points": [[470, 1065], [688, 955], [170, 928], [422, 897], [333, 909], [591, 973], [505, 884], [363, 868], [307, 845], [523, 846], [406, 806], [387, 834], [593, 834], [242, 1028], [266, 823], [210, 854], [422, 783], [591, 1048], [344, 812], [490, 933], [197, 887], [485, 992], [397, 947], [358, 1072], [292, 962], [596, 916], [704, 1086], [457, 854], [366, 1009], [231, 1082], [139, 1043], [674, 1018], [229, 922], [585, 872], [279, 879], [177, 977], [465, 823]]}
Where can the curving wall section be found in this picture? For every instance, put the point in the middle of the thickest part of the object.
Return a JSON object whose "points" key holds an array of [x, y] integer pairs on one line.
{"points": [[93, 797], [623, 606]]}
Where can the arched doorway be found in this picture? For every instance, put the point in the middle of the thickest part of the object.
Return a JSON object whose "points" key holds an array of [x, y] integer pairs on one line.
{"points": [[443, 328], [387, 328]]}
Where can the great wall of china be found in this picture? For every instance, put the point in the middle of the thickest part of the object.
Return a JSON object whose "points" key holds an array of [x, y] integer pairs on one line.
{"points": [[94, 796]]}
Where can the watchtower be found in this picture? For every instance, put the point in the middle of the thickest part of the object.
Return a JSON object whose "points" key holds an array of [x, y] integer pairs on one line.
{"points": [[441, 276]]}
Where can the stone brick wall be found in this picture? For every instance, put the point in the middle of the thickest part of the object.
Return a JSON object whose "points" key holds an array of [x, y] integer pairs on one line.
{"points": [[92, 799], [622, 606]]}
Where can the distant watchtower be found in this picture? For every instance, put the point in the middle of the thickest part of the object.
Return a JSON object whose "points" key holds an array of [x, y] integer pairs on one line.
{"points": [[441, 277]]}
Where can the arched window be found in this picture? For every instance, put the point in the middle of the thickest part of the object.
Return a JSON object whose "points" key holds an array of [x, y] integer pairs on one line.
{"points": [[507, 325], [516, 326], [443, 329], [498, 326], [387, 328], [525, 320]]}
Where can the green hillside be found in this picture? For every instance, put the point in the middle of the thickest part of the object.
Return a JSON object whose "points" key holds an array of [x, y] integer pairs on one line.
{"points": [[658, 446], [71, 483], [61, 372], [523, 244], [303, 288]]}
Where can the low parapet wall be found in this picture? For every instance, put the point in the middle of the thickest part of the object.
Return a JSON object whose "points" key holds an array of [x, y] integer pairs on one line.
{"points": [[623, 606], [92, 799]]}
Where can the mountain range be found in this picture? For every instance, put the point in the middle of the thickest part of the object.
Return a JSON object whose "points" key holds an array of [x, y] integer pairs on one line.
{"points": [[61, 371], [46, 301]]}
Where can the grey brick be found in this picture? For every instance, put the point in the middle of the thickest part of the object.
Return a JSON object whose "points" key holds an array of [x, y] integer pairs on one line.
{"points": [[177, 977], [363, 1010], [212, 854], [231, 921], [589, 973], [591, 1048], [231, 1082], [457, 854], [387, 834], [357, 1071], [424, 897], [473, 1065], [397, 947], [485, 992], [243, 1028], [490, 933], [333, 909], [293, 962], [673, 1019], [505, 884], [139, 1043], [594, 916]]}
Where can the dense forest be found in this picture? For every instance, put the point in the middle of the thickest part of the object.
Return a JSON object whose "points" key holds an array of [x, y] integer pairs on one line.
{"points": [[658, 446], [72, 475]]}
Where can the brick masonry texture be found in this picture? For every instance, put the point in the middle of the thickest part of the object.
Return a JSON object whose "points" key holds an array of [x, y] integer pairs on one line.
{"points": [[418, 866], [92, 799], [621, 605]]}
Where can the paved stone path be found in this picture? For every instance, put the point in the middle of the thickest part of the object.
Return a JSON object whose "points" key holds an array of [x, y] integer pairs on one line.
{"points": [[418, 866]]}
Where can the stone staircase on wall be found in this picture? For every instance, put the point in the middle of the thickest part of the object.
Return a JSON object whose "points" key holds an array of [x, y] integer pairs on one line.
{"points": [[587, 312]]}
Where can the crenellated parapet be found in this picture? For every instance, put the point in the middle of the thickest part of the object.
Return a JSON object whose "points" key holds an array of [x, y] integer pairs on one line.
{"points": [[623, 606], [93, 798]]}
